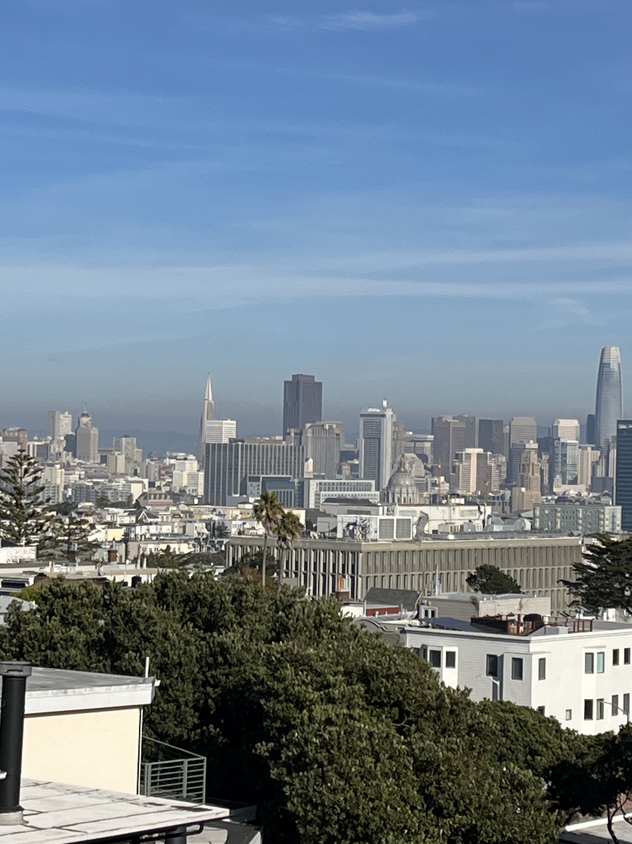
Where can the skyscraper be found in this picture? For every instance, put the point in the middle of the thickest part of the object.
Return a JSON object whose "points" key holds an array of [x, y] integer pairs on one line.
{"points": [[323, 442], [623, 477], [609, 404], [490, 436], [471, 429], [58, 424], [207, 415], [87, 440], [449, 438], [566, 429], [376, 444], [302, 402]]}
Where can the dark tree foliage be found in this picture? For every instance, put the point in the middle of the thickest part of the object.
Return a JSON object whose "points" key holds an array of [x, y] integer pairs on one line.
{"points": [[338, 737], [490, 580], [24, 515], [603, 580], [597, 780]]}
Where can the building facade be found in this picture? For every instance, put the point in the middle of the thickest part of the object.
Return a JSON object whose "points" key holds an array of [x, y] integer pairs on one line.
{"points": [[302, 402], [449, 438], [490, 436], [609, 402], [323, 442], [538, 563], [87, 440], [623, 477], [376, 445], [577, 670], [229, 465], [584, 517]]}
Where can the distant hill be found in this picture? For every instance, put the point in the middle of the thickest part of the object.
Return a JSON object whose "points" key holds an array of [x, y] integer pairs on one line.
{"points": [[158, 441]]}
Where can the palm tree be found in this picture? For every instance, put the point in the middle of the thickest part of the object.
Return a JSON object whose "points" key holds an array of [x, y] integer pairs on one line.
{"points": [[288, 529], [268, 512]]}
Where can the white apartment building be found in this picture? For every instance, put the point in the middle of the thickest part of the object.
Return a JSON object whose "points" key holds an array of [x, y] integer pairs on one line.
{"points": [[576, 670]]}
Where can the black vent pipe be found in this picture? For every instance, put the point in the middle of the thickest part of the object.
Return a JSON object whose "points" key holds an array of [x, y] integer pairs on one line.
{"points": [[14, 676]]}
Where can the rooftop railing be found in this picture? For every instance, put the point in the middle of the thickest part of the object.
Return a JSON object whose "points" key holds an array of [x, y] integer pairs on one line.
{"points": [[170, 772]]}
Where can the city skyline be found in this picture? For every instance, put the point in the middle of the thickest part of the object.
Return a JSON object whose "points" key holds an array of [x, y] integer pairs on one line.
{"points": [[608, 354], [440, 191]]}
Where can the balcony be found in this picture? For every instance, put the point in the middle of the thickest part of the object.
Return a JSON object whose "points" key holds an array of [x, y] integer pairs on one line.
{"points": [[170, 772]]}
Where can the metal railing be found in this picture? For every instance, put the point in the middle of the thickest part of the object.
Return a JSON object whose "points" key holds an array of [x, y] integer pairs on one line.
{"points": [[167, 771]]}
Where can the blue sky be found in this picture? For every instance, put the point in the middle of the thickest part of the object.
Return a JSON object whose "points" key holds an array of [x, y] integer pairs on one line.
{"points": [[428, 202]]}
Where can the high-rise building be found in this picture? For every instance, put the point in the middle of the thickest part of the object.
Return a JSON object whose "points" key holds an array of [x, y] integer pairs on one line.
{"points": [[587, 459], [15, 435], [609, 403], [591, 424], [623, 476], [302, 402], [471, 429], [470, 470], [566, 429], [207, 415], [564, 463], [522, 429], [228, 466], [420, 444], [528, 488], [58, 424], [221, 430], [323, 442], [376, 444], [490, 435], [449, 438], [87, 440]]}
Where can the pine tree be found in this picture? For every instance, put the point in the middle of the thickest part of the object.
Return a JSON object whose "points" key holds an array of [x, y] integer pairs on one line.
{"points": [[24, 513], [68, 537]]}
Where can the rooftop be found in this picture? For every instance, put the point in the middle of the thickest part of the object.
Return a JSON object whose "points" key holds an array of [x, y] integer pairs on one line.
{"points": [[57, 690], [70, 814]]}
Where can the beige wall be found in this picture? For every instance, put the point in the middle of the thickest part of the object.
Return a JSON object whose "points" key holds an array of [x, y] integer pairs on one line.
{"points": [[96, 748]]}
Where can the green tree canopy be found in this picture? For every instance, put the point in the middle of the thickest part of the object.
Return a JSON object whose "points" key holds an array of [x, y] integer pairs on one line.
{"points": [[24, 514], [603, 580], [338, 737], [490, 580]]}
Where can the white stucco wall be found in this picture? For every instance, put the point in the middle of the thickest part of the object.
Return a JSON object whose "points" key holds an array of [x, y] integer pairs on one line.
{"points": [[97, 748]]}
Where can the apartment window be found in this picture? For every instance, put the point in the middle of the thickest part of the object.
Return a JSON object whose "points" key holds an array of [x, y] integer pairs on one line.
{"points": [[615, 656], [589, 663], [614, 705], [601, 662], [450, 659], [434, 658], [626, 656], [541, 710], [600, 709], [569, 714], [588, 710], [492, 665], [626, 704], [516, 668], [542, 668]]}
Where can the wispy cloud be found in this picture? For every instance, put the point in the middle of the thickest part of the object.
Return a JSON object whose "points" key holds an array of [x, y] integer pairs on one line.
{"points": [[371, 21]]}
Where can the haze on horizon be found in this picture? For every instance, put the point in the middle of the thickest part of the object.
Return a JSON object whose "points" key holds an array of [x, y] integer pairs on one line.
{"points": [[428, 203]]}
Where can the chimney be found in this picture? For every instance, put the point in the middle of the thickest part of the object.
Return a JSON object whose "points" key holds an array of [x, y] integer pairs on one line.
{"points": [[14, 675], [112, 555]]}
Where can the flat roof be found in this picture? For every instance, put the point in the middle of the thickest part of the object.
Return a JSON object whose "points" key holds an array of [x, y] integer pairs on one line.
{"points": [[58, 690], [55, 813]]}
